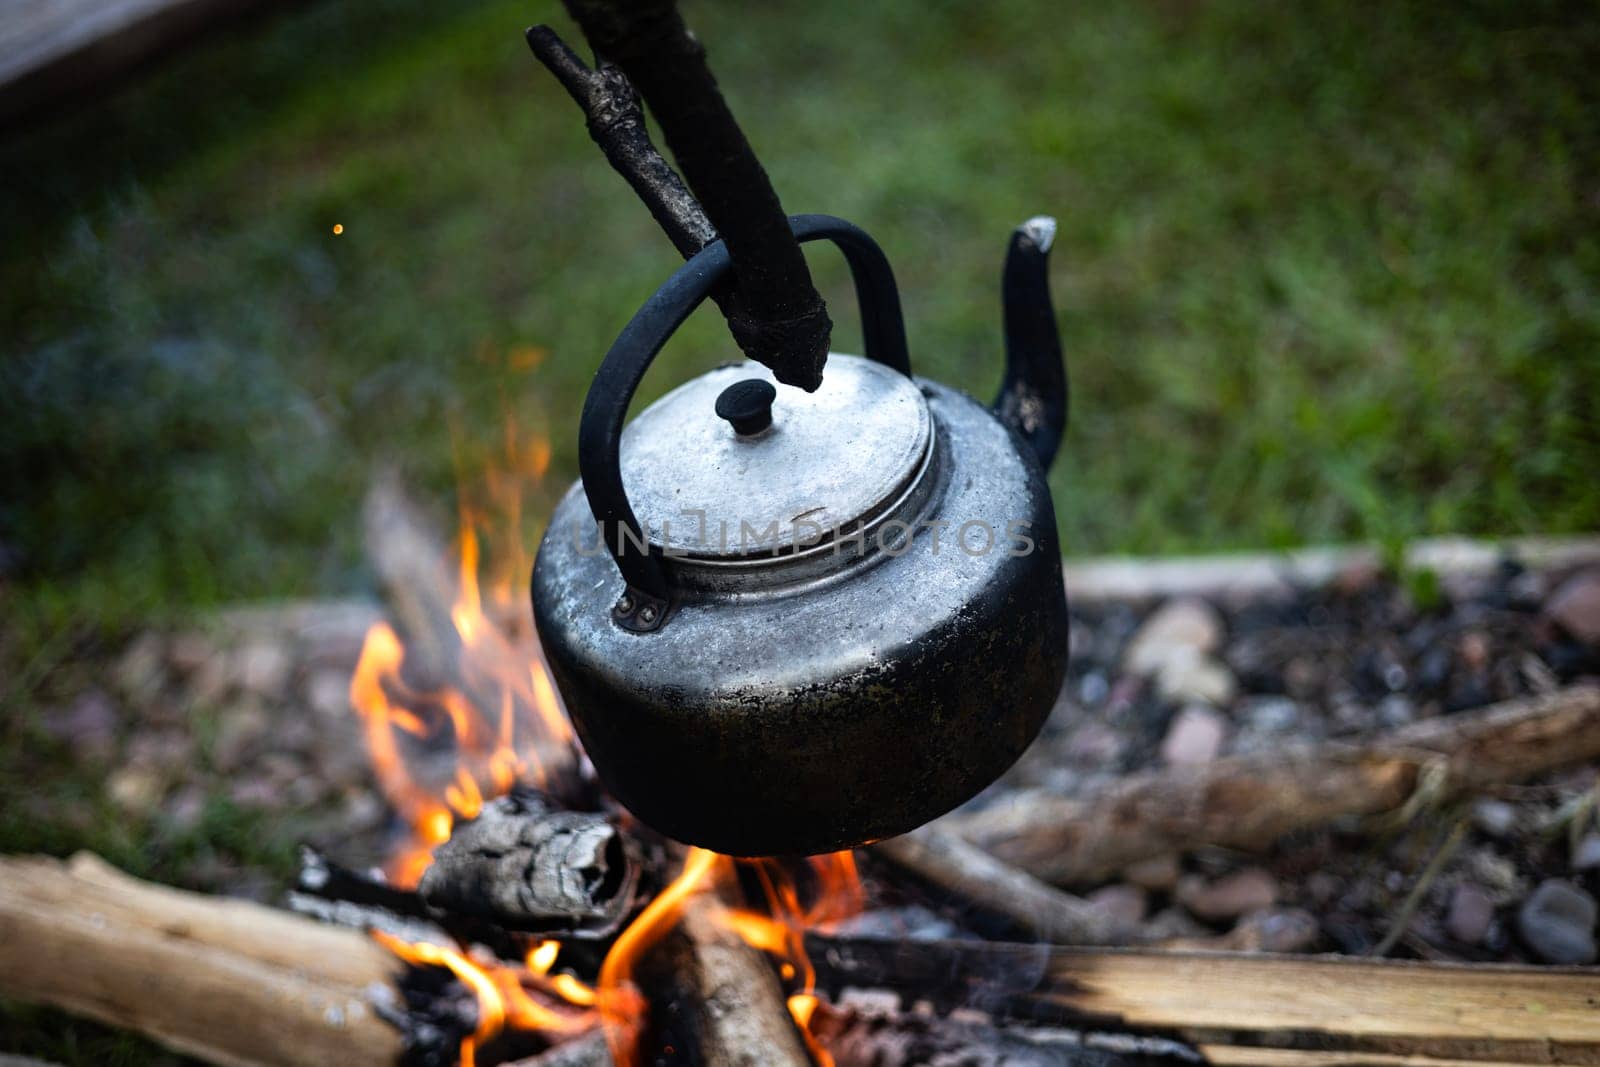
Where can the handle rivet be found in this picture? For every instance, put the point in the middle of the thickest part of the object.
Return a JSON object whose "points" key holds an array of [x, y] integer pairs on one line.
{"points": [[647, 614], [625, 605]]}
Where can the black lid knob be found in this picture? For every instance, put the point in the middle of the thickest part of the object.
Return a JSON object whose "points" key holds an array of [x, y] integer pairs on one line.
{"points": [[747, 406]]}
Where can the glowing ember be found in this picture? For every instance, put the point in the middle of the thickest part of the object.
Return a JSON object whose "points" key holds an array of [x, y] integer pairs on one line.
{"points": [[505, 725]]}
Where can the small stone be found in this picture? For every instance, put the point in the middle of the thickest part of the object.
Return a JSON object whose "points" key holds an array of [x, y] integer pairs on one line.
{"points": [[1195, 736], [1557, 923], [238, 737], [186, 808], [1189, 675], [1575, 606], [1275, 930], [328, 693], [1157, 874], [1396, 710], [1471, 911], [1494, 817], [209, 683], [1123, 903], [1357, 576], [169, 750], [1230, 896], [188, 652], [138, 673], [255, 793], [88, 726], [1496, 874], [262, 668], [136, 789], [363, 811], [1171, 924], [1095, 742], [1474, 649], [1586, 856], [1186, 623]]}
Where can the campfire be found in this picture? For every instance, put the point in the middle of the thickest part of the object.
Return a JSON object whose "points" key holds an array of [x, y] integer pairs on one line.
{"points": [[554, 895]]}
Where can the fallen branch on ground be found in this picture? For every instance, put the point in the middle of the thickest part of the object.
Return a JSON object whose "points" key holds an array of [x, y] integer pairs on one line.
{"points": [[1247, 802]]}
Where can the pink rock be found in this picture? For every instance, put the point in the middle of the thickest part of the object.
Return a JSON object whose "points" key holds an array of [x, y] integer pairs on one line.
{"points": [[1158, 873], [1471, 912], [1195, 736], [1230, 896], [1575, 606], [1124, 903]]}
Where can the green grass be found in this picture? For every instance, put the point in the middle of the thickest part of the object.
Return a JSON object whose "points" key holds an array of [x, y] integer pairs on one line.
{"points": [[1326, 271]]}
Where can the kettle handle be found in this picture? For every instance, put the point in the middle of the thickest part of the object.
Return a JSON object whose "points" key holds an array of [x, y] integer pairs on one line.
{"points": [[605, 409]]}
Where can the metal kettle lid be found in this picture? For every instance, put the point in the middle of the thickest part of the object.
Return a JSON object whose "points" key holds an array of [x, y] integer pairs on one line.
{"points": [[728, 468]]}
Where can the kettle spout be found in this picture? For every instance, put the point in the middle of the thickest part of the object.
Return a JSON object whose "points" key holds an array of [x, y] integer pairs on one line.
{"points": [[1033, 397]]}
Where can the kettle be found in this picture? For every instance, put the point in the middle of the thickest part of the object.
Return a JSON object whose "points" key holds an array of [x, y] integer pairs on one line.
{"points": [[787, 622]]}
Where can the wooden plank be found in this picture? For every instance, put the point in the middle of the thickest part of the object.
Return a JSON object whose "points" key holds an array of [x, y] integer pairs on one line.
{"points": [[1333, 1004], [1333, 995], [1256, 1056]]}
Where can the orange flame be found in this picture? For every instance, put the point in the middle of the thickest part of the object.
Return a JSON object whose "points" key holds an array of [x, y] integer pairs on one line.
{"points": [[506, 725]]}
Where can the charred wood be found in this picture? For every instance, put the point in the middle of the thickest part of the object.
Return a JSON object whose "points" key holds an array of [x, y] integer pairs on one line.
{"points": [[1247, 802], [721, 996], [526, 865], [876, 1037], [336, 894]]}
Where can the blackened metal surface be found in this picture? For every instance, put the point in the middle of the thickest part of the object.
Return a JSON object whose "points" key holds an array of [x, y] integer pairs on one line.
{"points": [[1033, 396], [846, 709]]}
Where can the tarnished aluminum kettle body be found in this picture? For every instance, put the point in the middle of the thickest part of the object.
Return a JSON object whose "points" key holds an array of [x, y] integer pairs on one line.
{"points": [[787, 622]]}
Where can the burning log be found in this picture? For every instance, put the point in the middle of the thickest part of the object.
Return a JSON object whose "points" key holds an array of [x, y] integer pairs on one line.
{"points": [[526, 865], [725, 998], [1247, 802], [336, 894], [227, 981]]}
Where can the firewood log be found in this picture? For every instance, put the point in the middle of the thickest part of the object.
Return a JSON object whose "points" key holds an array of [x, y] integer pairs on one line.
{"points": [[226, 981], [1247, 802], [728, 999], [1370, 1011], [526, 864], [1023, 903]]}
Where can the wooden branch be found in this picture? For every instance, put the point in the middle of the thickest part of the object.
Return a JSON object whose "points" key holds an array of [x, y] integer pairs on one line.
{"points": [[784, 323], [332, 893], [527, 865], [616, 123], [1247, 802], [227, 981], [729, 997], [1023, 903], [1431, 1012]]}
